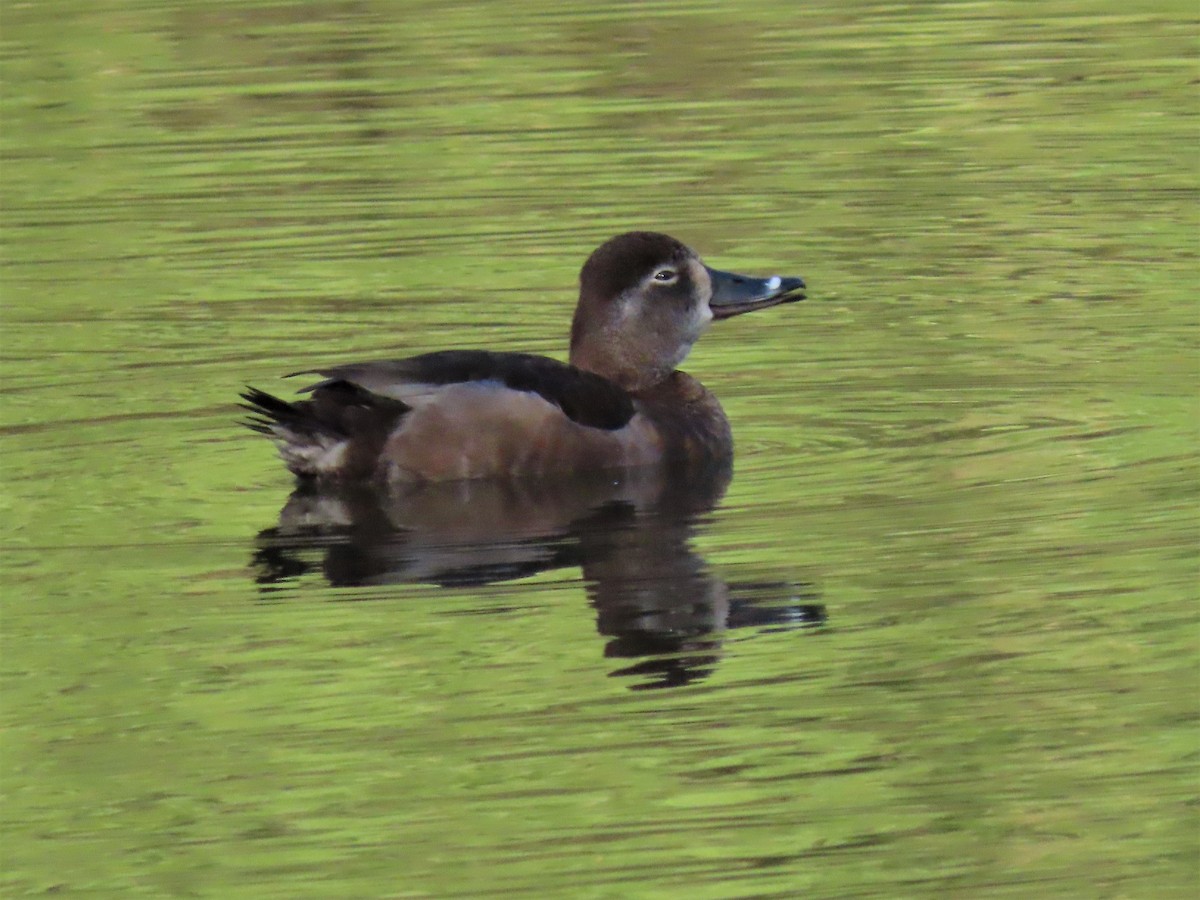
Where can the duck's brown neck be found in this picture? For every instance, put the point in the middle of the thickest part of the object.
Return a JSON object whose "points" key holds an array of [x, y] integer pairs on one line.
{"points": [[623, 365], [637, 360]]}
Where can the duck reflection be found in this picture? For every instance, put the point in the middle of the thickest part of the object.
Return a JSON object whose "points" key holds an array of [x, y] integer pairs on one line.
{"points": [[656, 601]]}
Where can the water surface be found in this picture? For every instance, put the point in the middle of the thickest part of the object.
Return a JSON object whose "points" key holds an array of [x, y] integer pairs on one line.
{"points": [[936, 637]]}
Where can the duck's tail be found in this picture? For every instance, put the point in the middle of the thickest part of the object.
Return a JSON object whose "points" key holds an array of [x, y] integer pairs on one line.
{"points": [[310, 444], [277, 418], [338, 433]]}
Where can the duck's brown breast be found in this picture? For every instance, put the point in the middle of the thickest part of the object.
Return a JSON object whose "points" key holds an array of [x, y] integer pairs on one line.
{"points": [[688, 419]]}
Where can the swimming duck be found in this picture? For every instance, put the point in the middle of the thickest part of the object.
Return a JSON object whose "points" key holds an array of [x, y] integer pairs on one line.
{"points": [[644, 300]]}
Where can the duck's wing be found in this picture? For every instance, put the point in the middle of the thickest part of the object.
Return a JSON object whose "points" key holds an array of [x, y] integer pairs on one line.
{"points": [[584, 397], [357, 410]]}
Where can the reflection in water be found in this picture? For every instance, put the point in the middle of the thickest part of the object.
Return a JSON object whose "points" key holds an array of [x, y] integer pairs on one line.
{"points": [[655, 599]]}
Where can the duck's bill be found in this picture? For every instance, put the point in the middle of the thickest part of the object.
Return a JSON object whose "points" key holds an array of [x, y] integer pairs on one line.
{"points": [[735, 294]]}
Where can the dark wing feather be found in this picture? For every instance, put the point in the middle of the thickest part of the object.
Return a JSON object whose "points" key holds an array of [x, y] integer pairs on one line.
{"points": [[583, 397]]}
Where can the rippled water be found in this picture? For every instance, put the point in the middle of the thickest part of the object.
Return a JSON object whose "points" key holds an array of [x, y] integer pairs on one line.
{"points": [[936, 637]]}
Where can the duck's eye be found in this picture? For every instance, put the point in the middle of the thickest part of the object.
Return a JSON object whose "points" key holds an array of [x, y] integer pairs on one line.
{"points": [[666, 276]]}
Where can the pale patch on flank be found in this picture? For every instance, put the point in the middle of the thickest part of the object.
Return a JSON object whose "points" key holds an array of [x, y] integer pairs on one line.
{"points": [[313, 457]]}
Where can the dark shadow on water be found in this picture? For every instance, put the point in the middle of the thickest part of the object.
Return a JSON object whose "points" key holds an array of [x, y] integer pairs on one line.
{"points": [[657, 603]]}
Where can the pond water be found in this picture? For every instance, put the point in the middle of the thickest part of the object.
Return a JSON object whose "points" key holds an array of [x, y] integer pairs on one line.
{"points": [[936, 636]]}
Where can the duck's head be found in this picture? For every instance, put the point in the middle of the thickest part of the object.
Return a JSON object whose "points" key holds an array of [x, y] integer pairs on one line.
{"points": [[645, 298]]}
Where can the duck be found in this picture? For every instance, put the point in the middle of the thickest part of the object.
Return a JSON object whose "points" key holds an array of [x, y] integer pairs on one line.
{"points": [[619, 402]]}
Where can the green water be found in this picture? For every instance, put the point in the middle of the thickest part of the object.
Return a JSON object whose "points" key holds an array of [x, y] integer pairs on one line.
{"points": [[974, 448]]}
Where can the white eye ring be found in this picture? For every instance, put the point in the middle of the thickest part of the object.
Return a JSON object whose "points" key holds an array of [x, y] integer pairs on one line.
{"points": [[666, 276]]}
